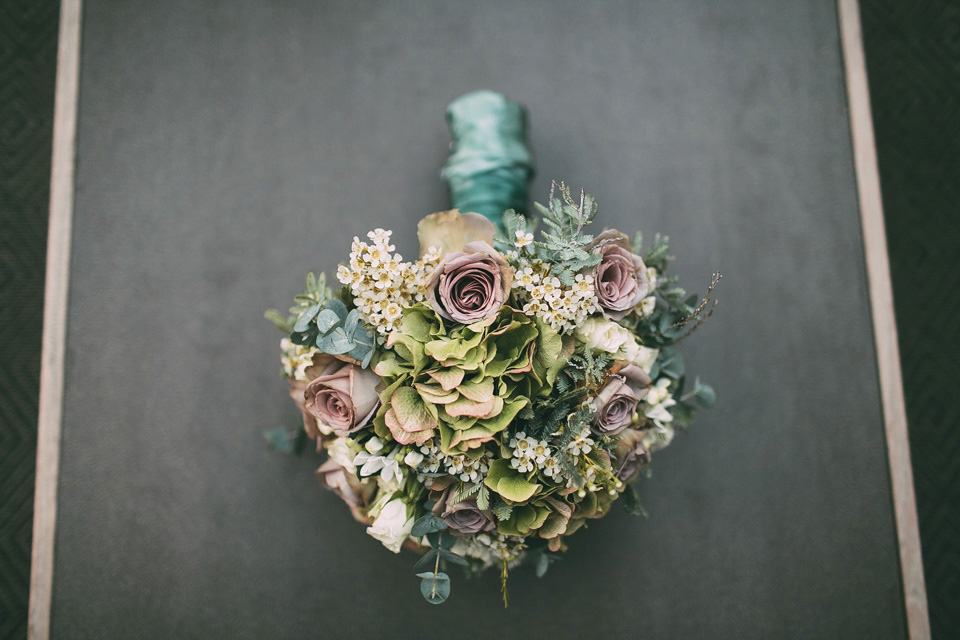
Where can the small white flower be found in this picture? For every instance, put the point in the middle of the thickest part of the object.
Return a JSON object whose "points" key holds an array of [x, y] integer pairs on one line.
{"points": [[658, 392], [392, 311], [540, 452], [523, 239], [550, 467], [523, 465], [413, 459], [647, 306], [373, 445], [388, 467]]}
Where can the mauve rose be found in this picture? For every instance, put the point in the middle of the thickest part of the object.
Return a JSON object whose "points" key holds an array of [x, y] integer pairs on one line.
{"points": [[631, 455], [344, 397], [620, 281], [464, 516], [309, 422], [617, 401], [470, 285], [338, 480]]}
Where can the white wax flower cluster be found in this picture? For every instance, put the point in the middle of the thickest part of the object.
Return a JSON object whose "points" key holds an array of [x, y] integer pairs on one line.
{"points": [[460, 465], [296, 358], [382, 284], [544, 296], [529, 454], [657, 402]]}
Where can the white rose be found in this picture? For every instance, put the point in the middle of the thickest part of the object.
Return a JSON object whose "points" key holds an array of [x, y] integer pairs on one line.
{"points": [[636, 354], [602, 335], [392, 526]]}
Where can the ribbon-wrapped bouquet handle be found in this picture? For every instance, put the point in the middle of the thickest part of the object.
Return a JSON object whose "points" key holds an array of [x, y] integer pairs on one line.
{"points": [[490, 166]]}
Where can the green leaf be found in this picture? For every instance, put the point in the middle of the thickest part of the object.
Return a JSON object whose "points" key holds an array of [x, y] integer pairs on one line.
{"points": [[631, 501], [543, 563], [283, 440], [427, 524], [483, 498], [335, 343], [704, 394], [450, 556], [279, 320], [428, 559], [672, 365], [327, 320], [502, 511], [435, 588], [465, 492], [517, 489], [337, 307], [306, 317], [440, 541]]}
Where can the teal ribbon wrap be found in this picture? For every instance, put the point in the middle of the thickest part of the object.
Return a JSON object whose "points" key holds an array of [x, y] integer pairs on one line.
{"points": [[490, 167]]}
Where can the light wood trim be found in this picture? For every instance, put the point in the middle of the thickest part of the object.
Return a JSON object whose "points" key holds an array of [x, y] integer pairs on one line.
{"points": [[884, 321], [54, 319]]}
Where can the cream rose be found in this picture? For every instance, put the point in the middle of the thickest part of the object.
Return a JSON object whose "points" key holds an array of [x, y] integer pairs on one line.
{"points": [[602, 335], [392, 526]]}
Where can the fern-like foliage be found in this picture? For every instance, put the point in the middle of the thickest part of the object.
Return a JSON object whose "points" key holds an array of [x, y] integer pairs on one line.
{"points": [[563, 241]]}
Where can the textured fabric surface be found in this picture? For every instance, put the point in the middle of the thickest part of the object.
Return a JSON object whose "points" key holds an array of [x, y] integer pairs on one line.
{"points": [[224, 148], [913, 60], [28, 45]]}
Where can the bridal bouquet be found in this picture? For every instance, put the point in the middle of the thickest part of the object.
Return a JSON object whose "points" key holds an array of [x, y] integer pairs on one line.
{"points": [[480, 404]]}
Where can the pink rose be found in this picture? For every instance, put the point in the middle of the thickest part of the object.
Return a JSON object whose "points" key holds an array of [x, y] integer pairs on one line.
{"points": [[464, 516], [309, 422], [631, 455], [620, 281], [617, 401], [470, 285], [343, 398]]}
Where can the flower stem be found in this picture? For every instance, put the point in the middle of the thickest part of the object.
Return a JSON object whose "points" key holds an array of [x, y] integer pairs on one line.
{"points": [[503, 577]]}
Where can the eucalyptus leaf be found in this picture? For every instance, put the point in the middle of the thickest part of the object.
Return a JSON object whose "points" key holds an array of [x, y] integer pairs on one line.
{"points": [[543, 563], [350, 324], [440, 541], [337, 307], [327, 320], [427, 560], [306, 317], [434, 587], [280, 439], [450, 556], [705, 396], [427, 524]]}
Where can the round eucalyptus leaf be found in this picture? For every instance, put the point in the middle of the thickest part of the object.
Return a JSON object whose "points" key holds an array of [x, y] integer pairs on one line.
{"points": [[435, 588]]}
